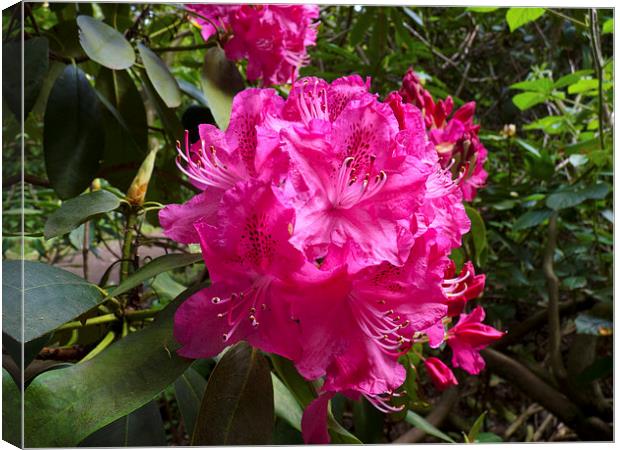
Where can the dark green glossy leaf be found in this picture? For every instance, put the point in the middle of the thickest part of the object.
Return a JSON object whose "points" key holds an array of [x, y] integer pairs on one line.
{"points": [[52, 296], [35, 65], [31, 348], [531, 219], [142, 428], [73, 139], [126, 127], [237, 408], [163, 81], [78, 210], [517, 17], [65, 406], [160, 264], [104, 44], [189, 389], [11, 410], [220, 80]]}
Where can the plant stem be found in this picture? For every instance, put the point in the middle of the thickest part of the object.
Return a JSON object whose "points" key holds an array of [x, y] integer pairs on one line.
{"points": [[564, 16], [128, 247], [106, 318], [184, 48], [597, 56], [105, 342], [553, 288]]}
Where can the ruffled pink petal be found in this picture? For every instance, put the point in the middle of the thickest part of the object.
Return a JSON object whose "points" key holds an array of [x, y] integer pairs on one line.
{"points": [[178, 221]]}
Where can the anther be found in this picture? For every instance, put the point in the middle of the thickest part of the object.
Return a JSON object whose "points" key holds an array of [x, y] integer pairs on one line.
{"points": [[216, 300]]}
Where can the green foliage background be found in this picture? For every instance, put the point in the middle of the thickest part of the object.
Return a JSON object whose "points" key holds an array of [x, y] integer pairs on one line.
{"points": [[102, 360]]}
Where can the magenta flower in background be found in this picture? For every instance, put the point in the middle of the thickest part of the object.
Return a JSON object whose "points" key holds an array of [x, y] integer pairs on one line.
{"points": [[468, 337], [455, 138], [440, 374], [273, 38], [326, 222]]}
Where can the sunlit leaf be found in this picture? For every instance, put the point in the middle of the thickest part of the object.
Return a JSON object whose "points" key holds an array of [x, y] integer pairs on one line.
{"points": [[163, 81], [517, 17], [104, 44], [220, 80]]}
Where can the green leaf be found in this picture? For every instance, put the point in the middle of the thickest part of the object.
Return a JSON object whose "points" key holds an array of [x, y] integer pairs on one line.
{"points": [[286, 406], [51, 296], [73, 139], [526, 100], [421, 423], [35, 65], [476, 427], [78, 210], [574, 195], [189, 389], [105, 45], [368, 422], [542, 85], [517, 17], [361, 26], [488, 437], [168, 117], [529, 147], [574, 282], [238, 405], [583, 85], [600, 368], [571, 78], [596, 326], [482, 9], [608, 26], [478, 232], [163, 81], [144, 427], [11, 410], [125, 125], [220, 80], [160, 264], [304, 392], [65, 406], [531, 219]]}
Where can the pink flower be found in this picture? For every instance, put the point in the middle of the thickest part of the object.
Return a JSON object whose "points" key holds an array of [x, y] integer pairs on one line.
{"points": [[456, 139], [468, 337], [219, 160], [357, 182], [273, 38], [440, 374], [463, 288], [249, 258]]}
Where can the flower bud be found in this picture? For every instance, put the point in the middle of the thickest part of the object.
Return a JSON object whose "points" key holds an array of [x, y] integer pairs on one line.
{"points": [[137, 190], [440, 374]]}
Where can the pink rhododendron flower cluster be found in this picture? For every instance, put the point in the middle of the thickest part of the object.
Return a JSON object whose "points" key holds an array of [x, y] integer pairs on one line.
{"points": [[326, 221], [456, 138], [273, 38]]}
